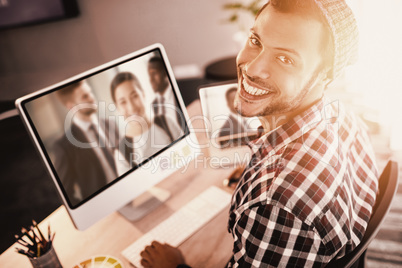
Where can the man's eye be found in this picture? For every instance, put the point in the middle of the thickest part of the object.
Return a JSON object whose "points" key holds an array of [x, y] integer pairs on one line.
{"points": [[285, 60], [254, 41]]}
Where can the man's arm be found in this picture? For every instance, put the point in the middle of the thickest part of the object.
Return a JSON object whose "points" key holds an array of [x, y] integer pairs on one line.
{"points": [[268, 236]]}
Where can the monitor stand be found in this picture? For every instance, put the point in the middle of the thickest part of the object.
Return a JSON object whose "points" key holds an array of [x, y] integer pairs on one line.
{"points": [[144, 204]]}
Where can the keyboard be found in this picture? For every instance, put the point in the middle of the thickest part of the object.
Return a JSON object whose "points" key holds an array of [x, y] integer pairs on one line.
{"points": [[182, 223]]}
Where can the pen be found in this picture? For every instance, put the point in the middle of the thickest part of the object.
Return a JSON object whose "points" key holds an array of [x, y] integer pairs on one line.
{"points": [[35, 245], [24, 232], [38, 251], [21, 241], [40, 233], [23, 252], [48, 232], [41, 242]]}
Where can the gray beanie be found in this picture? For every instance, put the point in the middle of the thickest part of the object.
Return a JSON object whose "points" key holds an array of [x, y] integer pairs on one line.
{"points": [[343, 26]]}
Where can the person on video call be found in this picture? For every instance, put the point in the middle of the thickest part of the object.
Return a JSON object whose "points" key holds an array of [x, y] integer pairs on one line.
{"points": [[84, 154], [235, 123], [166, 112], [307, 194], [142, 139]]}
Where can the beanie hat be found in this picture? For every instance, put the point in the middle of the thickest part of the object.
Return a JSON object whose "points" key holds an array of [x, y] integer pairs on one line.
{"points": [[343, 27]]}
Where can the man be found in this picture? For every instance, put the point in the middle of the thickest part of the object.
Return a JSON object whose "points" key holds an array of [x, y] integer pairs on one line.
{"points": [[83, 155], [166, 113], [307, 194]]}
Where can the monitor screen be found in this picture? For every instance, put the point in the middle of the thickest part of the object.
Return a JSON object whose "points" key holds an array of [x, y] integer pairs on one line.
{"points": [[109, 134]]}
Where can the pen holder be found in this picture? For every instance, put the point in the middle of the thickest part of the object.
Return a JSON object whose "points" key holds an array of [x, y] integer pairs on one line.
{"points": [[47, 260]]}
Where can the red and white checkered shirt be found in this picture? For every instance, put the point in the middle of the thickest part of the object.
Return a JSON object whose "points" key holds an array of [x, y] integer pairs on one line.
{"points": [[307, 194]]}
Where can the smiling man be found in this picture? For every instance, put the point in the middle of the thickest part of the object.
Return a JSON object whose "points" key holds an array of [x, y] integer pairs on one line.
{"points": [[307, 194], [282, 69]]}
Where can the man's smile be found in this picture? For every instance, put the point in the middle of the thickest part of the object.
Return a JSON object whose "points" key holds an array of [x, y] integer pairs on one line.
{"points": [[250, 91]]}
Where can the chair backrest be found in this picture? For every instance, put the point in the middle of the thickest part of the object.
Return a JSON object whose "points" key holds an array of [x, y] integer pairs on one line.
{"points": [[388, 184]]}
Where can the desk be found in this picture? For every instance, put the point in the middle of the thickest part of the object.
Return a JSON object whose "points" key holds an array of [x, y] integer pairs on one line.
{"points": [[211, 246]]}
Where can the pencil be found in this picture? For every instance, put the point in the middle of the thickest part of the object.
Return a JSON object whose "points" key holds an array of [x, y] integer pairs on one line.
{"points": [[36, 244], [37, 227], [48, 232]]}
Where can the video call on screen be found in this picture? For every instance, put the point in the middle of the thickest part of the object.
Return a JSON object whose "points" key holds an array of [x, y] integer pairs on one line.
{"points": [[96, 129]]}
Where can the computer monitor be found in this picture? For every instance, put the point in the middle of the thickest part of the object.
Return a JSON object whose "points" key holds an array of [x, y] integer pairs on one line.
{"points": [[229, 132], [110, 134]]}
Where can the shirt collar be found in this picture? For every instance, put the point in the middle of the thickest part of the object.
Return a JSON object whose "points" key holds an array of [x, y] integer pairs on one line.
{"points": [[84, 125], [291, 130], [168, 94]]}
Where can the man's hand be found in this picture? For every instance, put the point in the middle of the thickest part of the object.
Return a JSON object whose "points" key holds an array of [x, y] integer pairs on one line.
{"points": [[161, 256]]}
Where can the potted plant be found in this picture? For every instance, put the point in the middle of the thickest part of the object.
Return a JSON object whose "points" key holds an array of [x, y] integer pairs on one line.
{"points": [[243, 13]]}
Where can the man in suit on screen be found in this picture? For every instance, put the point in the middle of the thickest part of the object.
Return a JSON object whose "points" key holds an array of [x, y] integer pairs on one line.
{"points": [[166, 113], [83, 155]]}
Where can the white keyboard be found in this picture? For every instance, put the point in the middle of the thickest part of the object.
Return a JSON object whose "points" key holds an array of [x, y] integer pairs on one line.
{"points": [[182, 224]]}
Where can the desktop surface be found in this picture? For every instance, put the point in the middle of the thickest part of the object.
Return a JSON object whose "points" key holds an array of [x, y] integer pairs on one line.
{"points": [[210, 246]]}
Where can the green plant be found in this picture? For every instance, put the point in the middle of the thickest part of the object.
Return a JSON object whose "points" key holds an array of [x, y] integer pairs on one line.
{"points": [[237, 7]]}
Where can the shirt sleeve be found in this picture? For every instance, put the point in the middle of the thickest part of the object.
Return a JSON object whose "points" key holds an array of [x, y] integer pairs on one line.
{"points": [[268, 236]]}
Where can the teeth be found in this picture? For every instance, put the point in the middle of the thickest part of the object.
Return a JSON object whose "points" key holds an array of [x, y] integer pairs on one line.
{"points": [[254, 91]]}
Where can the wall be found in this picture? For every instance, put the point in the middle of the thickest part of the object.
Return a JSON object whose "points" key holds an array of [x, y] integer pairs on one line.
{"points": [[192, 32]]}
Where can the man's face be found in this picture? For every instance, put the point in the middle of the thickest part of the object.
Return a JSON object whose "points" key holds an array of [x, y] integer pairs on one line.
{"points": [[83, 95], [158, 78], [279, 68]]}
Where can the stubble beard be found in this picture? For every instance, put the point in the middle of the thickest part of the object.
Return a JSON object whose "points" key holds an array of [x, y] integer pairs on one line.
{"points": [[278, 106]]}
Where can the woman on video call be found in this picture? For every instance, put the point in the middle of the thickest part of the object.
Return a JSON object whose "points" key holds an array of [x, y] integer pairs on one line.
{"points": [[141, 138]]}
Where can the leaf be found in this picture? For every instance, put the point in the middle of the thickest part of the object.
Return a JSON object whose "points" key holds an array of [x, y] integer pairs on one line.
{"points": [[254, 6], [233, 18], [233, 6]]}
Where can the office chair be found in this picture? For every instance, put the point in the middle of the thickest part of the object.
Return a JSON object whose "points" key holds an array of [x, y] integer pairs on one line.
{"points": [[388, 184]]}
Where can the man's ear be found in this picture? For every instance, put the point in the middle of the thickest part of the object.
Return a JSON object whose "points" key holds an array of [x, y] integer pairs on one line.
{"points": [[326, 76]]}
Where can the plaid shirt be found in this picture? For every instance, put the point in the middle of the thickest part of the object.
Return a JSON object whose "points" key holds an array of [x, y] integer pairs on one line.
{"points": [[307, 194]]}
